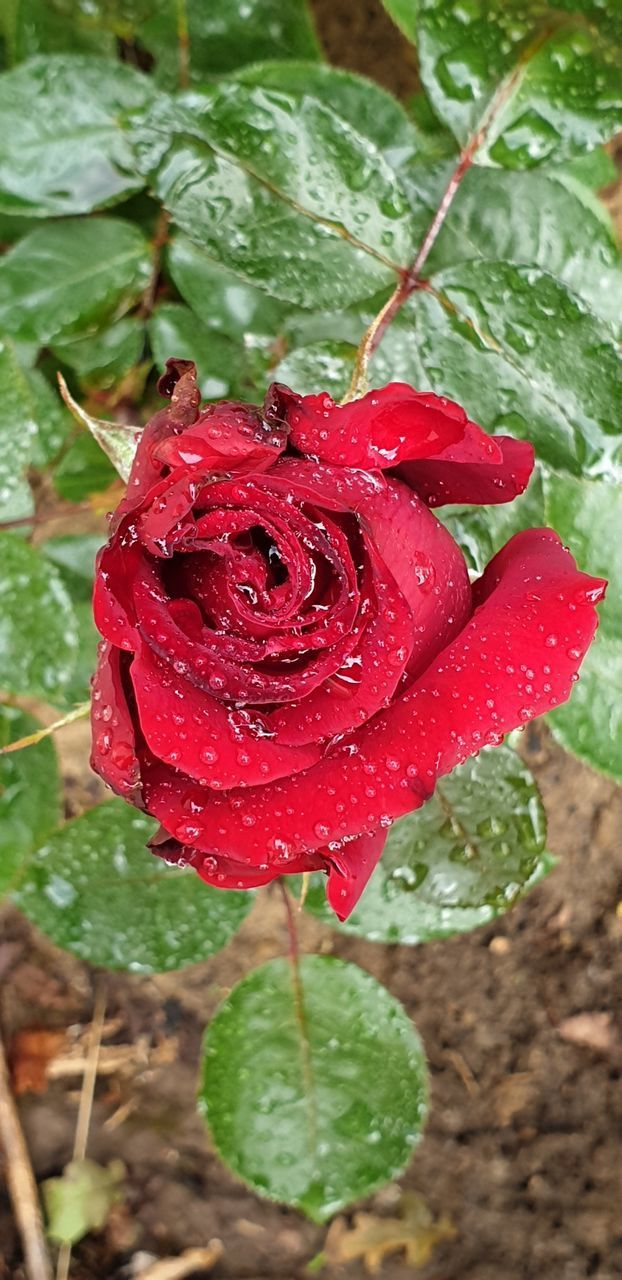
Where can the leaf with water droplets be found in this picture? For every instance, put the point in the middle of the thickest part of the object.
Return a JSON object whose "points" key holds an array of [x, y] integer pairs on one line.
{"points": [[546, 84], [223, 36], [30, 27], [70, 276], [588, 516], [29, 793], [279, 190], [18, 429], [73, 153], [522, 354], [119, 442], [458, 862], [102, 359], [38, 641], [315, 1092], [532, 218], [95, 889]]}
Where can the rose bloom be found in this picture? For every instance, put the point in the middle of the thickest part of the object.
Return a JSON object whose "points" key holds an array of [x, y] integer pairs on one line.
{"points": [[293, 652]]}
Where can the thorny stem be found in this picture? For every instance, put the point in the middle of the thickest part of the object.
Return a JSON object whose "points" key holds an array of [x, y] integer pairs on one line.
{"points": [[411, 278]]}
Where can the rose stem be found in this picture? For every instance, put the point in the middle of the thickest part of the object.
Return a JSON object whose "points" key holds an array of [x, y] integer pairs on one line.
{"points": [[305, 1051], [410, 277]]}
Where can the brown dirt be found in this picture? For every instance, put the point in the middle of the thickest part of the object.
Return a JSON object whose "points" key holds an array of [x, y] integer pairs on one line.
{"points": [[522, 1149]]}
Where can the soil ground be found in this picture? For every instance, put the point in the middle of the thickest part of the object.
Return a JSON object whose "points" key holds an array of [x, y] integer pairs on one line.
{"points": [[522, 1149]]}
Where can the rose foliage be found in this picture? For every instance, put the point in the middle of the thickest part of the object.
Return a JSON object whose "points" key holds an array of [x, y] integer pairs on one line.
{"points": [[293, 653]]}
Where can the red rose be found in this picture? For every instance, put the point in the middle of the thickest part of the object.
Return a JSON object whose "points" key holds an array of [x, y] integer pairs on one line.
{"points": [[293, 652]]}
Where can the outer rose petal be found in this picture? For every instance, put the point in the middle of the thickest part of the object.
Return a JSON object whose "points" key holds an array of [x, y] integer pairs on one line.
{"points": [[516, 658], [226, 873], [455, 477], [350, 871], [381, 429], [113, 753], [226, 437]]}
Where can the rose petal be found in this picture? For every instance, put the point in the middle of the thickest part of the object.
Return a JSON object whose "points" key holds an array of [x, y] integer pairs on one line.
{"points": [[225, 437], [191, 730], [516, 658], [456, 477], [382, 429], [226, 873], [350, 870], [113, 751]]}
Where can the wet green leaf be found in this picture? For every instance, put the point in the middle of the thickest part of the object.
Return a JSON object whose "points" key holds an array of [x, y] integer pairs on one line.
{"points": [[546, 82], [18, 428], [74, 557], [53, 423], [314, 1100], [587, 514], [38, 639], [280, 191], [533, 218], [320, 366], [102, 359], [116, 440], [30, 27], [219, 298], [84, 469], [29, 793], [96, 890], [69, 276], [223, 35], [369, 109], [464, 858], [404, 14], [72, 154], [590, 724], [522, 355]]}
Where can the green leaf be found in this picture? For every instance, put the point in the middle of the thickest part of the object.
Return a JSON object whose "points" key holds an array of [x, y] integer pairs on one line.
{"points": [[404, 15], [280, 191], [320, 366], [316, 1094], [95, 889], [50, 26], [81, 1200], [544, 83], [590, 724], [38, 641], [52, 421], [74, 557], [595, 169], [102, 359], [30, 800], [473, 849], [72, 153], [116, 439], [84, 469], [221, 300], [176, 331], [521, 354], [17, 433], [223, 36], [533, 218], [587, 514], [369, 109], [69, 276]]}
